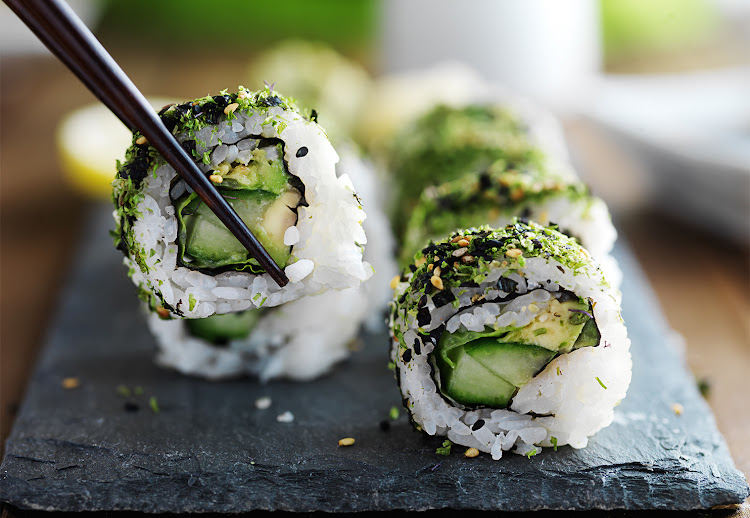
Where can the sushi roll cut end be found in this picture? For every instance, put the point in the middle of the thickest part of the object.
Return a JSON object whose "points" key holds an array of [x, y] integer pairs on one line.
{"points": [[509, 326]]}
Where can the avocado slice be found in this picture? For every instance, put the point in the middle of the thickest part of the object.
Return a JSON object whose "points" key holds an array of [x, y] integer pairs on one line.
{"points": [[555, 329], [264, 171], [515, 363], [219, 329], [469, 382]]}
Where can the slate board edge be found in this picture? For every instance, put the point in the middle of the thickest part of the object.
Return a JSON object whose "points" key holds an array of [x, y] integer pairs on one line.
{"points": [[262, 495]]}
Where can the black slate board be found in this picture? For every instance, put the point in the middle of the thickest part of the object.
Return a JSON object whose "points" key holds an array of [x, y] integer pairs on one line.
{"points": [[208, 449]]}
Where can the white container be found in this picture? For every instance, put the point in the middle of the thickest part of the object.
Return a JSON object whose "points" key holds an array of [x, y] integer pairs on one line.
{"points": [[549, 50]]}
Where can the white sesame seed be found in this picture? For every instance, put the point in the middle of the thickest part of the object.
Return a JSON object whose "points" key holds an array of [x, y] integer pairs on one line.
{"points": [[262, 403], [286, 417]]}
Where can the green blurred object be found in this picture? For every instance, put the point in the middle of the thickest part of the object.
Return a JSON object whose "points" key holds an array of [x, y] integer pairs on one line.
{"points": [[317, 77], [641, 27], [205, 25]]}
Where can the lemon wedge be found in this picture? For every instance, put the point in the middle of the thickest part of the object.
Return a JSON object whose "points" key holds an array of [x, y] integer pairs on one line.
{"points": [[90, 141]]}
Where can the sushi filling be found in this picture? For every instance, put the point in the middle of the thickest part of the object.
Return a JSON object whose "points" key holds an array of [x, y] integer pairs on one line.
{"points": [[219, 330], [492, 349], [262, 192]]}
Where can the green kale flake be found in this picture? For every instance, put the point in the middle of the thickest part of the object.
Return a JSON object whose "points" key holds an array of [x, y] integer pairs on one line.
{"points": [[445, 449]]}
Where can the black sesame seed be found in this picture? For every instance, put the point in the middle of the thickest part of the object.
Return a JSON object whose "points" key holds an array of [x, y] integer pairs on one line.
{"points": [[213, 112], [406, 356], [417, 347], [222, 100], [443, 297], [478, 425], [423, 317], [562, 270], [301, 152]]}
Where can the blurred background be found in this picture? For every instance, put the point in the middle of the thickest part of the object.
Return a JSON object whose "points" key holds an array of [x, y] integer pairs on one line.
{"points": [[654, 98]]}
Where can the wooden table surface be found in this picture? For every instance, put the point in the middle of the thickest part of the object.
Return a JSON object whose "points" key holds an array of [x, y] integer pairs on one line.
{"points": [[40, 219]]}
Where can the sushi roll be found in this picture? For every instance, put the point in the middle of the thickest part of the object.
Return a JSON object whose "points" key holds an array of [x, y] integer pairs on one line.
{"points": [[544, 192], [302, 339], [277, 169], [314, 73], [508, 340], [447, 142]]}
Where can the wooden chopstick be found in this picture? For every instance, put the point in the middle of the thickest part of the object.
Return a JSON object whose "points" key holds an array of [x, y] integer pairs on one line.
{"points": [[66, 36]]}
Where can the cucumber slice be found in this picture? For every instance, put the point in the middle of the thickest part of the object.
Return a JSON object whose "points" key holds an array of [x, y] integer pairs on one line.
{"points": [[209, 244], [222, 328], [471, 383], [515, 363]]}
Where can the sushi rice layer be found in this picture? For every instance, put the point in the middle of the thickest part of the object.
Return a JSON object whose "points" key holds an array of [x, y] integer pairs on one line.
{"points": [[478, 279]]}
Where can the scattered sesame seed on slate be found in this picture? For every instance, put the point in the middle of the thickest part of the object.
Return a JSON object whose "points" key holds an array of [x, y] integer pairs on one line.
{"points": [[263, 402], [286, 417]]}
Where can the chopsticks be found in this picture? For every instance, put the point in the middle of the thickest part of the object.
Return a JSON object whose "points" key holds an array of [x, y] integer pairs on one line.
{"points": [[66, 36]]}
